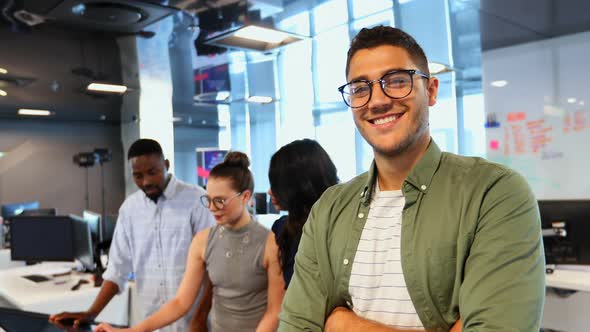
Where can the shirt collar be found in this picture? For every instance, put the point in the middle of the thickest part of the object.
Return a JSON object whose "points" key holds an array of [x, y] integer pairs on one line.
{"points": [[420, 176], [170, 189]]}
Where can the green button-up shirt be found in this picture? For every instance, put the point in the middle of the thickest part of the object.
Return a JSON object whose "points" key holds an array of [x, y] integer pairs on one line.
{"points": [[471, 247]]}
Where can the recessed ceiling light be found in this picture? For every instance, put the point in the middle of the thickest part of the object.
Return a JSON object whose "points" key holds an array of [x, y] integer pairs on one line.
{"points": [[3, 71], [259, 99], [571, 100], [499, 83], [1, 154], [26, 111], [581, 103], [109, 88], [176, 119], [3, 93]]}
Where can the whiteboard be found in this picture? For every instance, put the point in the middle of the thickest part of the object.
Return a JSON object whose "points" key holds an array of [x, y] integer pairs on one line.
{"points": [[539, 122]]}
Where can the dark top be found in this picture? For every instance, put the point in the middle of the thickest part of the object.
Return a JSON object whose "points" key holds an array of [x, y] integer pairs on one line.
{"points": [[277, 227]]}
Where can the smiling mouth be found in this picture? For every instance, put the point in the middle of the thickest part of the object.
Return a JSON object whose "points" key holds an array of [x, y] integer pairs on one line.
{"points": [[387, 119]]}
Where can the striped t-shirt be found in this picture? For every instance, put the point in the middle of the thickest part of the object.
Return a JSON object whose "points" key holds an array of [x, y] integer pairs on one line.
{"points": [[377, 284]]}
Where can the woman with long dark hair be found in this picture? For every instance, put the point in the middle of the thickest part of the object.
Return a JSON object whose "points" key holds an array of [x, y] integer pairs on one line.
{"points": [[299, 173]]}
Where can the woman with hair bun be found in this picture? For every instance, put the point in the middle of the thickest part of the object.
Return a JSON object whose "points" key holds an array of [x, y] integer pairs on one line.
{"points": [[239, 255]]}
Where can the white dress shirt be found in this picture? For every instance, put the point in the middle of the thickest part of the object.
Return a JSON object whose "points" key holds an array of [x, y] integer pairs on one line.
{"points": [[152, 242]]}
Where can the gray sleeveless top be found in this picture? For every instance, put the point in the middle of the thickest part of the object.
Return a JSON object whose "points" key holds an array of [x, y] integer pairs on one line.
{"points": [[234, 260]]}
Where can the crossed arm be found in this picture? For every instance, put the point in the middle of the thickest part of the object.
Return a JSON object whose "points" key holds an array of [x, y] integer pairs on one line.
{"points": [[343, 320]]}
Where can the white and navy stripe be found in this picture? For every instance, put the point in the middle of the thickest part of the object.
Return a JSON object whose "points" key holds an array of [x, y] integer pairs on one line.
{"points": [[377, 286]]}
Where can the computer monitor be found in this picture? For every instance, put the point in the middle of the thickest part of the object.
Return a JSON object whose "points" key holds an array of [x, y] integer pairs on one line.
{"points": [[261, 203], [14, 209], [83, 246], [566, 229], [41, 238], [51, 238], [110, 221], [39, 212], [93, 221]]}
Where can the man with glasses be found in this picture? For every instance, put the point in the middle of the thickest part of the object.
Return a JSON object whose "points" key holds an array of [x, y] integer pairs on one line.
{"points": [[152, 238], [426, 240]]}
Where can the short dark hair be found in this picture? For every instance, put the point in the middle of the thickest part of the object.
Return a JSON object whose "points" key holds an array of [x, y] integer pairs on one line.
{"points": [[384, 35], [235, 168], [144, 146], [299, 173]]}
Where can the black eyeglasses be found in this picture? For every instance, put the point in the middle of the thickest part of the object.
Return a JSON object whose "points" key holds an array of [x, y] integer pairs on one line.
{"points": [[219, 203], [396, 84]]}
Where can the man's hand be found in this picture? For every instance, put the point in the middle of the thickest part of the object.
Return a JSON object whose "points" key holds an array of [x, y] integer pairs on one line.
{"points": [[104, 327], [339, 317], [71, 319]]}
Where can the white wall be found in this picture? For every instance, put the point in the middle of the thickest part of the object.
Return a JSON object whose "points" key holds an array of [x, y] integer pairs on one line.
{"points": [[38, 165]]}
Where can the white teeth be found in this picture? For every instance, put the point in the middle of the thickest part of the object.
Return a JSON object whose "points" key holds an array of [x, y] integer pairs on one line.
{"points": [[385, 120]]}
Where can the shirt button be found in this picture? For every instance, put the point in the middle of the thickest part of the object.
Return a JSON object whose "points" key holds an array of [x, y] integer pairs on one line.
{"points": [[423, 187], [345, 261], [361, 215]]}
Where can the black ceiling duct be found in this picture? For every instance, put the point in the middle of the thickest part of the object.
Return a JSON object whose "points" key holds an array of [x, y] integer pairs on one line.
{"points": [[216, 20]]}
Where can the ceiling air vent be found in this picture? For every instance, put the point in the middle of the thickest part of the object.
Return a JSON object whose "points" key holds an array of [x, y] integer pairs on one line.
{"points": [[129, 16], [109, 13]]}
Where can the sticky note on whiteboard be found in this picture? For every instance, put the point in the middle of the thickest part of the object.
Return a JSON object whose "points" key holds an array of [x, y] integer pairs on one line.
{"points": [[494, 145]]}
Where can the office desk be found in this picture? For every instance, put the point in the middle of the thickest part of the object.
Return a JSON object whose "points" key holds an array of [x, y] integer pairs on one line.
{"points": [[5, 261], [570, 279], [567, 300], [47, 297]]}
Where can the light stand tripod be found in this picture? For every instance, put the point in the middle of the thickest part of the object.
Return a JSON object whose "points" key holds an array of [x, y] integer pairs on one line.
{"points": [[87, 160]]}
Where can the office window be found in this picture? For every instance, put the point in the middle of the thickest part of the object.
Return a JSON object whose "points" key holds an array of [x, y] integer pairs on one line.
{"points": [[473, 122], [362, 8], [443, 116], [309, 72], [224, 136], [298, 24], [296, 89], [295, 84], [381, 18], [364, 153], [336, 133], [329, 14], [331, 48]]}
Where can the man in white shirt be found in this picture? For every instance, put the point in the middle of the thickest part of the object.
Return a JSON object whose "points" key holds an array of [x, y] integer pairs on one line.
{"points": [[151, 241]]}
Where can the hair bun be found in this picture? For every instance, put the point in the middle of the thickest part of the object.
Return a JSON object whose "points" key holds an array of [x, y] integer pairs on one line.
{"points": [[237, 159]]}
